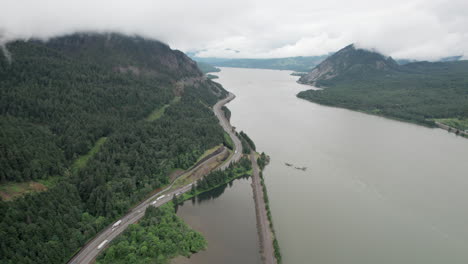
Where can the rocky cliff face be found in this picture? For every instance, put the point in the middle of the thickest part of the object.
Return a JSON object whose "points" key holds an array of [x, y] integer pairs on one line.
{"points": [[349, 62]]}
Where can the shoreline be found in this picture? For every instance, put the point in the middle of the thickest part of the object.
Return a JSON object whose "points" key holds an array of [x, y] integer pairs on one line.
{"points": [[88, 254], [434, 124], [450, 129], [269, 249]]}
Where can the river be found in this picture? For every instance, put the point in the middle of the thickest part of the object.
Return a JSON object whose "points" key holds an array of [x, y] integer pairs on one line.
{"points": [[374, 190], [226, 218]]}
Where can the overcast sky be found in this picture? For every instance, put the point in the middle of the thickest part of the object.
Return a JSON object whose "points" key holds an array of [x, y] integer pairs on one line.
{"points": [[415, 29]]}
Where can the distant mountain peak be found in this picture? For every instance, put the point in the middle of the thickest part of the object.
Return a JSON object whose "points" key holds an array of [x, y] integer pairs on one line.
{"points": [[349, 61]]}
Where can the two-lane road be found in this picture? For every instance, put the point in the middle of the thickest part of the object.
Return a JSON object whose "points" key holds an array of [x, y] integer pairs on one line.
{"points": [[90, 251], [228, 128]]}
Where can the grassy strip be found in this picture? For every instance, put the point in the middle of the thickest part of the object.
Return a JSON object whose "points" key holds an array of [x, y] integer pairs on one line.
{"points": [[158, 113], [12, 190], [81, 161], [270, 218], [50, 181], [208, 152], [457, 123]]}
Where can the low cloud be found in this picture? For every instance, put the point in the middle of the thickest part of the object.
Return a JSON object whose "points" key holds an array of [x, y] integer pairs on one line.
{"points": [[414, 29]]}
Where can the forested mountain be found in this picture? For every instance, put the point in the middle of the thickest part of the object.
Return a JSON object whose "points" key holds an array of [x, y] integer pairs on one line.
{"points": [[419, 92], [300, 64], [350, 62], [58, 98], [207, 68]]}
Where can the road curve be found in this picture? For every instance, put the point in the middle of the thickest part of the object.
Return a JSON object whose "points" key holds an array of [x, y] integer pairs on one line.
{"points": [[89, 252], [228, 128]]}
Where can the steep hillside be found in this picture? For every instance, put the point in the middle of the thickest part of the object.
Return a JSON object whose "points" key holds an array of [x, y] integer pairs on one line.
{"points": [[207, 68], [74, 109], [420, 92], [349, 63], [124, 53]]}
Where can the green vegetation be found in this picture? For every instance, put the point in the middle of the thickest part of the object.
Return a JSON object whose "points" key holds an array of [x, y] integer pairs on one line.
{"points": [[11, 190], [300, 64], [81, 161], [218, 177], [228, 141], [416, 92], [208, 152], [212, 76], [247, 143], [156, 114], [461, 124], [159, 236], [206, 68], [262, 161], [298, 74], [27, 151], [250, 141], [227, 112], [57, 100]]}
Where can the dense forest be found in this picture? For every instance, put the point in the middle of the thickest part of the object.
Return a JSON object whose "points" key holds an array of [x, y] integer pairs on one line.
{"points": [[156, 238], [57, 101], [420, 92], [161, 235]]}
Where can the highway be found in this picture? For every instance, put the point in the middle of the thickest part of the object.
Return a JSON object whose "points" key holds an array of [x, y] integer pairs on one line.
{"points": [[228, 128], [90, 251]]}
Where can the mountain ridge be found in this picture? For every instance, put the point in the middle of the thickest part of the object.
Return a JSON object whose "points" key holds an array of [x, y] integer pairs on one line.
{"points": [[349, 62], [298, 63], [67, 100], [419, 92]]}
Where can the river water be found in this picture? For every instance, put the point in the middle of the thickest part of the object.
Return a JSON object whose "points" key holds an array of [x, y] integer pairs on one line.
{"points": [[226, 218], [374, 190]]}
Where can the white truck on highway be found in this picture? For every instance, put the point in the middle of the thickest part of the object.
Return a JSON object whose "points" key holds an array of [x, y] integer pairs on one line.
{"points": [[102, 244], [160, 197], [116, 224]]}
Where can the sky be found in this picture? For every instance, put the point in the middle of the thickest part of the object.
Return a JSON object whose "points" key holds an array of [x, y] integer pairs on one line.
{"points": [[409, 29]]}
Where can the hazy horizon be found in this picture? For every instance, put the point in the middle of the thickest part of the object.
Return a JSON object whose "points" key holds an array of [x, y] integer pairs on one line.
{"points": [[415, 29]]}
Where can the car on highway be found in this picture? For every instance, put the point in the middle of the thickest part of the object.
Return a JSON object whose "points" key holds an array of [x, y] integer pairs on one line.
{"points": [[102, 244], [116, 224]]}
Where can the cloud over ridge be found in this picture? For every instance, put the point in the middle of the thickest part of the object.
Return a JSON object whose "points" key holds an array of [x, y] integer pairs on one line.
{"points": [[413, 29]]}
